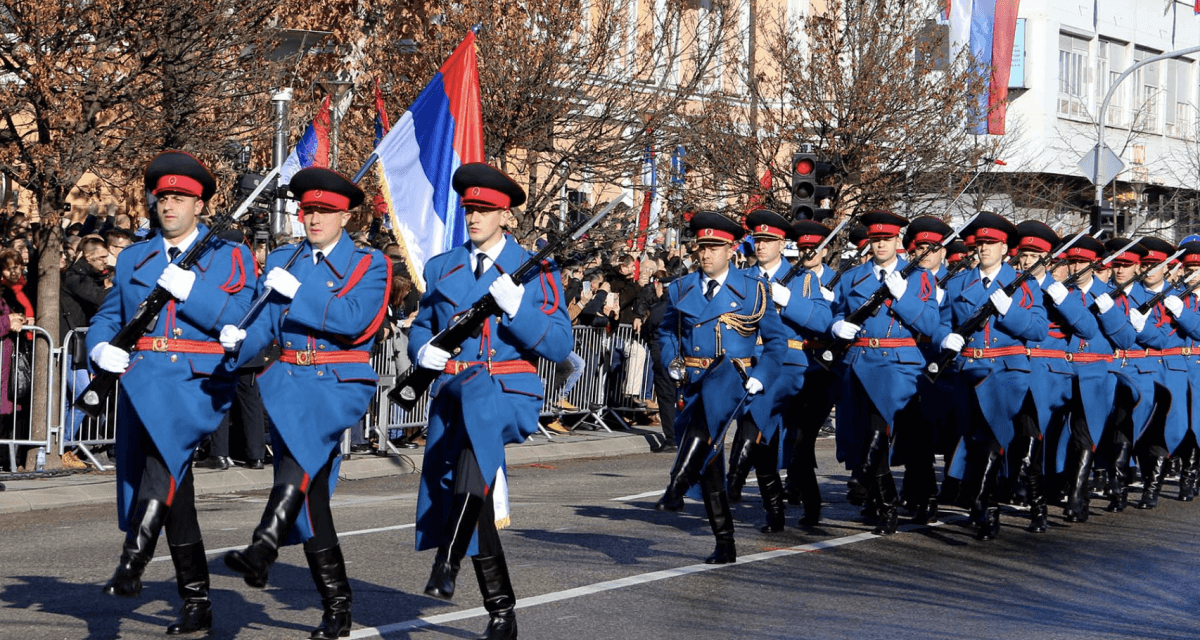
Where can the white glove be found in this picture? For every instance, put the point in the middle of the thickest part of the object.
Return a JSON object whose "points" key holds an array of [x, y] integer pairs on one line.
{"points": [[1001, 301], [282, 282], [1058, 292], [431, 357], [1104, 302], [781, 294], [753, 386], [1137, 319], [231, 337], [827, 294], [953, 342], [110, 358], [896, 284], [507, 294], [1174, 305], [845, 330], [178, 282]]}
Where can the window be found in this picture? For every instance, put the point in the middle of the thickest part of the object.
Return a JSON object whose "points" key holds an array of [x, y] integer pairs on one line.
{"points": [[1072, 76], [1110, 64], [1178, 97], [1146, 89]]}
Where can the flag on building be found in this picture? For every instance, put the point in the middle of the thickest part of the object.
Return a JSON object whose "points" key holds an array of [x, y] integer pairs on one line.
{"points": [[313, 148], [441, 131], [988, 28]]}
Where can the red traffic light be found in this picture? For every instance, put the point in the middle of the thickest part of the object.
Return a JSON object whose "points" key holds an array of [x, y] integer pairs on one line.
{"points": [[805, 166]]}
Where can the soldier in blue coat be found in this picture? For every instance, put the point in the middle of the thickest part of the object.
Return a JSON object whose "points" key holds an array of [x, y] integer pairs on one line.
{"points": [[323, 313], [176, 384], [993, 368], [806, 411], [709, 332], [490, 393], [801, 306], [1187, 318], [880, 369]]}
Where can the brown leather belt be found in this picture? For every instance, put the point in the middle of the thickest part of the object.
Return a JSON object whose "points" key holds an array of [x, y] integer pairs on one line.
{"points": [[1088, 358], [1131, 353], [703, 363], [310, 357], [1177, 351], [999, 352], [796, 344], [496, 368], [878, 343], [1049, 353], [812, 345], [162, 344]]}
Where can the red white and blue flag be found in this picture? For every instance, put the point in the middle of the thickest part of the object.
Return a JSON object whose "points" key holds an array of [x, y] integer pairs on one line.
{"points": [[988, 27], [381, 128], [313, 148], [441, 131]]}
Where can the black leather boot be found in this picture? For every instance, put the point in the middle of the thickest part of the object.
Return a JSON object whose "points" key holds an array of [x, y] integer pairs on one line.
{"points": [[449, 556], [927, 511], [1118, 473], [254, 562], [716, 505], [741, 458], [985, 517], [191, 578], [139, 548], [1035, 489], [1017, 490], [685, 472], [1188, 474], [1079, 491], [887, 504], [875, 450], [498, 597], [1154, 471], [329, 573], [771, 488]]}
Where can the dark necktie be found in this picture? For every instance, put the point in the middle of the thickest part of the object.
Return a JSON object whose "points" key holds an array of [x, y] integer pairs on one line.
{"points": [[987, 282], [479, 268], [712, 290], [172, 253], [320, 257], [882, 274]]}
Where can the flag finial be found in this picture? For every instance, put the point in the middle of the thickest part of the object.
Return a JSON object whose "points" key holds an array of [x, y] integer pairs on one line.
{"points": [[475, 29]]}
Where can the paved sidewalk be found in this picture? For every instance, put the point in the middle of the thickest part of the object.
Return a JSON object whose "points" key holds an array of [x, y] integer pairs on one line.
{"points": [[70, 490]]}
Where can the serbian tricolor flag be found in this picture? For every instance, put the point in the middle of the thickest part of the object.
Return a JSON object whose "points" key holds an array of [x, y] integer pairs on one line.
{"points": [[988, 27], [313, 148], [441, 131]]}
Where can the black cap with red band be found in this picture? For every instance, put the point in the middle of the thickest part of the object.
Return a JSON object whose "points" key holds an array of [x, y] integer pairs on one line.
{"points": [[991, 227], [1132, 255], [926, 230], [481, 185], [179, 172], [320, 188], [768, 225], [1086, 248], [883, 224], [1157, 250], [1035, 235], [711, 227], [810, 233]]}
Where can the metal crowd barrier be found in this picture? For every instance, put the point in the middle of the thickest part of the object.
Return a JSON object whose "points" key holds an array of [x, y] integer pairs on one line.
{"points": [[16, 428], [92, 432]]}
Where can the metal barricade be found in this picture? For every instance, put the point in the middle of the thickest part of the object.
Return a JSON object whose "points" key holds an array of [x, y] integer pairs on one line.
{"points": [[16, 428], [76, 429]]}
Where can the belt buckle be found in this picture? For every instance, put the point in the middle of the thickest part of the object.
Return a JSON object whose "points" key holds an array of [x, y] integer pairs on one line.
{"points": [[305, 357], [704, 362], [873, 343], [1187, 351], [159, 344], [460, 366], [1070, 357], [976, 353], [1028, 352]]}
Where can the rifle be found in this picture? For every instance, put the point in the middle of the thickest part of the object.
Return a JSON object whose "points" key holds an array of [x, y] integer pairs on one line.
{"points": [[416, 380], [809, 254], [985, 311], [1169, 291], [845, 265], [953, 269], [91, 401], [1077, 276], [1123, 290], [871, 306]]}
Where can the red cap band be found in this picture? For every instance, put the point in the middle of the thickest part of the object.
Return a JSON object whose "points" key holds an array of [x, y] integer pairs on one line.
{"points": [[883, 230], [1080, 253], [714, 234], [862, 242], [969, 241], [486, 198], [320, 199], [814, 240], [931, 237], [1035, 243], [1154, 257], [178, 184], [768, 230], [955, 257], [1128, 257], [1191, 259], [995, 235]]}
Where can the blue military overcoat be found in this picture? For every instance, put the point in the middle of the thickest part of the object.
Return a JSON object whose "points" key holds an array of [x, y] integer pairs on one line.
{"points": [[180, 397], [484, 412]]}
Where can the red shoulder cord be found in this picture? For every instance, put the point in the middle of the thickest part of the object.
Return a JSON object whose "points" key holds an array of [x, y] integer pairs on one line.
{"points": [[237, 274]]}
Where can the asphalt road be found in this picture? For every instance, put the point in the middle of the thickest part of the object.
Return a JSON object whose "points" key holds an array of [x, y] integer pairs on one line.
{"points": [[591, 562]]}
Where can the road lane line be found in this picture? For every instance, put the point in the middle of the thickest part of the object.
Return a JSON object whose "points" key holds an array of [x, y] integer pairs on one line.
{"points": [[620, 583]]}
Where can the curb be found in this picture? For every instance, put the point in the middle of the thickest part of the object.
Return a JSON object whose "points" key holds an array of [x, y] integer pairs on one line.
{"points": [[99, 490]]}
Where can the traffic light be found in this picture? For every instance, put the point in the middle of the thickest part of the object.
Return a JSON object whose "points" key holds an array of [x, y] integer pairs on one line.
{"points": [[1102, 217], [808, 172]]}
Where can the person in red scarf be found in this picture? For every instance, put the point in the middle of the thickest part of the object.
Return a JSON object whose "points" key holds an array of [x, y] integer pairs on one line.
{"points": [[15, 312]]}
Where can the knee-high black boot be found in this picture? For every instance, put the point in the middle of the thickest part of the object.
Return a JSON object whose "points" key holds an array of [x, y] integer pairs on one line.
{"points": [[863, 477], [802, 486], [1035, 488], [771, 488], [716, 505], [886, 503], [329, 573], [254, 562], [191, 579], [498, 597], [685, 472], [1189, 474], [985, 516], [741, 458], [1079, 490], [927, 500], [1154, 471], [467, 508], [1118, 474], [139, 548]]}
